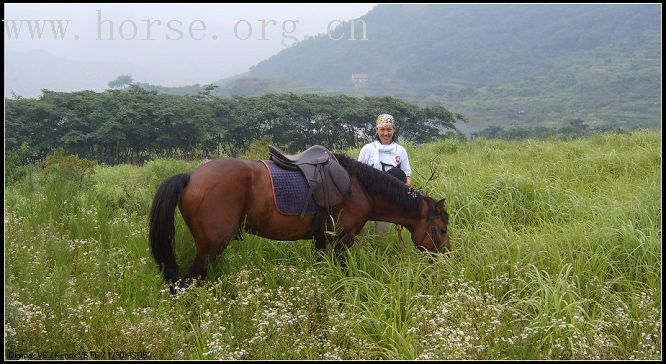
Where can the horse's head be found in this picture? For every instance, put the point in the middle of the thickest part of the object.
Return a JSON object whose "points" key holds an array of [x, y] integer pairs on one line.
{"points": [[431, 233]]}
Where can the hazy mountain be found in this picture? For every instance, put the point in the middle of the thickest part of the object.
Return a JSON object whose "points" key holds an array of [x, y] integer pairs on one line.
{"points": [[476, 44], [27, 73], [510, 63]]}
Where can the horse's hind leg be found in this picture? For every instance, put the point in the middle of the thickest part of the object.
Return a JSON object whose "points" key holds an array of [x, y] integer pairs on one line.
{"points": [[199, 268], [209, 245], [205, 254]]}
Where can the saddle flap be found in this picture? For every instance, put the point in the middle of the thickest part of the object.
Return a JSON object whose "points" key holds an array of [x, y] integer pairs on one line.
{"points": [[338, 185]]}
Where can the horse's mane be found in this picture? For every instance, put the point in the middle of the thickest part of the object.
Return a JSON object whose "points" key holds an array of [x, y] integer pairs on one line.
{"points": [[383, 184]]}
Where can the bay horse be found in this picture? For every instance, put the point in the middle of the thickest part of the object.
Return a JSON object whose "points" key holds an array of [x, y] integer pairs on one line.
{"points": [[219, 198]]}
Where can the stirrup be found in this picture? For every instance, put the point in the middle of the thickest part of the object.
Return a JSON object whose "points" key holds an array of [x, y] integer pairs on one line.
{"points": [[326, 231]]}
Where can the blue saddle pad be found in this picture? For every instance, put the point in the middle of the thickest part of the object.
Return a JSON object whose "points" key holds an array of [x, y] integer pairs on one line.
{"points": [[290, 188]]}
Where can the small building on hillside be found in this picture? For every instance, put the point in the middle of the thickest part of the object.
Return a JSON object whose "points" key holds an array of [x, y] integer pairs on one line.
{"points": [[359, 79]]}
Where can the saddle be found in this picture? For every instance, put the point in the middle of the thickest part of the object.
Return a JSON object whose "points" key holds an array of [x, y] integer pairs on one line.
{"points": [[329, 182]]}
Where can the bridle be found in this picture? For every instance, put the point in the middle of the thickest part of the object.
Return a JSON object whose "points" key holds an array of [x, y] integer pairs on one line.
{"points": [[431, 221], [433, 230]]}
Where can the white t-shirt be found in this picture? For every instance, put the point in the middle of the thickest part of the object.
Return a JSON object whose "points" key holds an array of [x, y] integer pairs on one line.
{"points": [[393, 154]]}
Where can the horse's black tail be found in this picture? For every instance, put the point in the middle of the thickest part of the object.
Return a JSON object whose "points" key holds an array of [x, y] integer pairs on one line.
{"points": [[162, 225]]}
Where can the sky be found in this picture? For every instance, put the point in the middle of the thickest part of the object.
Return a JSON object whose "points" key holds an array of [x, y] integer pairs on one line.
{"points": [[177, 44]]}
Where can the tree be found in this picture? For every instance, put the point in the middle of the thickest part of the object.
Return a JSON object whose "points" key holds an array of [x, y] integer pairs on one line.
{"points": [[121, 82], [133, 124], [205, 92]]}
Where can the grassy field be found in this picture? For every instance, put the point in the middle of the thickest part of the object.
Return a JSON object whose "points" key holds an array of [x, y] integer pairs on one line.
{"points": [[555, 255]]}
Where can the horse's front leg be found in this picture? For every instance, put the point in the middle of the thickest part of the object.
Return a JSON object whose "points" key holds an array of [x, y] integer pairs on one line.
{"points": [[351, 222], [340, 242], [323, 240], [343, 242], [345, 239], [320, 242]]}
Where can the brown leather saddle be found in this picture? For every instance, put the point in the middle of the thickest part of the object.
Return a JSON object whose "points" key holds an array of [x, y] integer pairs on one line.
{"points": [[329, 182]]}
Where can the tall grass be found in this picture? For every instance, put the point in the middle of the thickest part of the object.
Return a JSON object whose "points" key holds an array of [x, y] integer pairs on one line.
{"points": [[556, 255]]}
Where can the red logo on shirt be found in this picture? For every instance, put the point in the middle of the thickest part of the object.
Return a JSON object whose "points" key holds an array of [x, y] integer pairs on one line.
{"points": [[397, 160]]}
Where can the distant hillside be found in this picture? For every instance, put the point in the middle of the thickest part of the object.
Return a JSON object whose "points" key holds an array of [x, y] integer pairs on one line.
{"points": [[502, 64], [241, 85], [254, 86]]}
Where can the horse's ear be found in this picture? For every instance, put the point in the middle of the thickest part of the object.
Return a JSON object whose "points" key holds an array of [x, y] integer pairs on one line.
{"points": [[440, 205]]}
